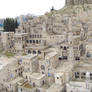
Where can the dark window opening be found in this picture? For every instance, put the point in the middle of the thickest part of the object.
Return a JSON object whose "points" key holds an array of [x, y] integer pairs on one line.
{"points": [[23, 46], [27, 41], [33, 84], [26, 77], [42, 72], [65, 57], [39, 52], [90, 74], [61, 46], [33, 41], [43, 82], [34, 52], [42, 67], [21, 89], [37, 41], [30, 41], [77, 58], [57, 77], [71, 42], [76, 75], [60, 58], [29, 52], [65, 48]]}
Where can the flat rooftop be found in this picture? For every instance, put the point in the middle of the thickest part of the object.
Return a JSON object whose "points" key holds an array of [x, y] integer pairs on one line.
{"points": [[51, 54], [17, 80], [37, 75], [62, 67], [55, 88], [20, 34], [85, 65], [84, 68], [29, 56]]}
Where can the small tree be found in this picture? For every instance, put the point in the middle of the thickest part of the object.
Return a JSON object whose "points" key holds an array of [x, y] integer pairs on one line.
{"points": [[10, 25], [52, 9]]}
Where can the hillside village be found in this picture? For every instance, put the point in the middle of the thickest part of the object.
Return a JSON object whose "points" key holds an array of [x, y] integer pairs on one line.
{"points": [[50, 53]]}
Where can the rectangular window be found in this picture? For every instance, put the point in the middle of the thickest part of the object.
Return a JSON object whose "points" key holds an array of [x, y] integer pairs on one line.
{"points": [[30, 41], [76, 75], [37, 41]]}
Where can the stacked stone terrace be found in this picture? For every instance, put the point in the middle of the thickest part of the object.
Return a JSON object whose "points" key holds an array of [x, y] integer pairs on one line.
{"points": [[58, 52]]}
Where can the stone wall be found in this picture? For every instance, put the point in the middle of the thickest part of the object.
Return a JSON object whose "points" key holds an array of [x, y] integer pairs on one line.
{"points": [[78, 2]]}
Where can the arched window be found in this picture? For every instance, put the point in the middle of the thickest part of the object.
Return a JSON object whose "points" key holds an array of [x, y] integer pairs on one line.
{"points": [[77, 75], [36, 41], [65, 48], [39, 52], [30, 41], [29, 52], [34, 52], [33, 41]]}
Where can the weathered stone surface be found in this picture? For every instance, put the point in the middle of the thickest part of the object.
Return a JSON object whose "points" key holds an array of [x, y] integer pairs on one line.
{"points": [[78, 2]]}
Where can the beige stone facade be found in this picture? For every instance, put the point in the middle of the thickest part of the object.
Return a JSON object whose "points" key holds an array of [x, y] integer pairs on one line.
{"points": [[52, 53]]}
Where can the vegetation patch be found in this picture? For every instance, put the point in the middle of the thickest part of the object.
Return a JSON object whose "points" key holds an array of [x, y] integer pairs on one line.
{"points": [[24, 54], [9, 54]]}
